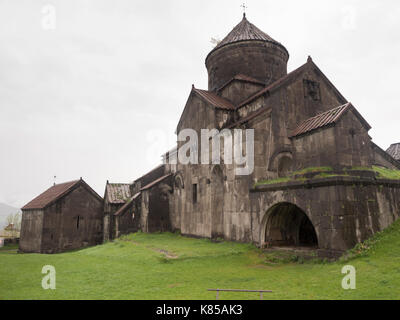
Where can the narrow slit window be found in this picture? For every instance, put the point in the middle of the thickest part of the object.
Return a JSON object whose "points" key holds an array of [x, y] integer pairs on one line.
{"points": [[195, 193]]}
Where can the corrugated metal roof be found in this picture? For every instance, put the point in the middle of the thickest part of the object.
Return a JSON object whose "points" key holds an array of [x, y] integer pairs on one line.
{"points": [[322, 120], [117, 193], [214, 99], [394, 151], [245, 31], [50, 195], [155, 182]]}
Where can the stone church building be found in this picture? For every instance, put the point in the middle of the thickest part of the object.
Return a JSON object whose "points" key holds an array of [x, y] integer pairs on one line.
{"points": [[318, 180]]}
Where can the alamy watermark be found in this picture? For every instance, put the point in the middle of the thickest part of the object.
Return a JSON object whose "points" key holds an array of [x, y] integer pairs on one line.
{"points": [[349, 281], [49, 17], [237, 149], [49, 280]]}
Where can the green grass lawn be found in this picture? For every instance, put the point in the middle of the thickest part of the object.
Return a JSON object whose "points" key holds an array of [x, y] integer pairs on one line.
{"points": [[169, 266]]}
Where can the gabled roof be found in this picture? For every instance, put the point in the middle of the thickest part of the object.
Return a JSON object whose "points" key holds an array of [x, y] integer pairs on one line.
{"points": [[155, 182], [394, 151], [245, 31], [56, 192], [117, 193], [290, 77], [213, 99], [243, 78], [326, 119]]}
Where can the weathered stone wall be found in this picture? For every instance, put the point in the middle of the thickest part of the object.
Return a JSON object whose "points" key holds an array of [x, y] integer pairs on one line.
{"points": [[342, 210], [353, 143], [109, 220], [239, 91], [31, 231], [347, 144], [383, 159], [62, 231], [263, 61], [127, 222], [155, 208], [147, 178]]}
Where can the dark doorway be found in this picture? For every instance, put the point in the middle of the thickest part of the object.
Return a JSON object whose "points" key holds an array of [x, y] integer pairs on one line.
{"points": [[307, 235], [288, 225]]}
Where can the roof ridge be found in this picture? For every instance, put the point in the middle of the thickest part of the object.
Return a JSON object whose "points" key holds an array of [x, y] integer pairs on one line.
{"points": [[60, 184], [272, 85], [240, 77], [46, 197]]}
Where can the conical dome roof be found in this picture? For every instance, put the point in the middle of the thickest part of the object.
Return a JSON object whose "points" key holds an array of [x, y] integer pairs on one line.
{"points": [[249, 51], [246, 31]]}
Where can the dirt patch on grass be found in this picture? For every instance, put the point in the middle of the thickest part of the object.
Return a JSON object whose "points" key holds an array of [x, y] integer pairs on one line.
{"points": [[168, 254]]}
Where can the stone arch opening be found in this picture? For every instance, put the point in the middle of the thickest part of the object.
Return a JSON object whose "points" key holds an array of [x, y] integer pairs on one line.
{"points": [[288, 226], [217, 203]]}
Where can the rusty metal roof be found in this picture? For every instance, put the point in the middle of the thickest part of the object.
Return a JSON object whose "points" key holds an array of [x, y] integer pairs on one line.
{"points": [[155, 182], [50, 195], [214, 100], [325, 119], [246, 31], [394, 151], [117, 193]]}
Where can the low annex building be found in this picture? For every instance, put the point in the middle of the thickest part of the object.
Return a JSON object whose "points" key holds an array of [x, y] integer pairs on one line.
{"points": [[67, 216]]}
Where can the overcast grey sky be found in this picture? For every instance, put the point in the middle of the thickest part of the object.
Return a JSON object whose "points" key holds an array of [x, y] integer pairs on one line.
{"points": [[85, 98]]}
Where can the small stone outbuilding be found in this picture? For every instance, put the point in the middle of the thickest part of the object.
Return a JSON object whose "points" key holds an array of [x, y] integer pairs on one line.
{"points": [[67, 216], [116, 196]]}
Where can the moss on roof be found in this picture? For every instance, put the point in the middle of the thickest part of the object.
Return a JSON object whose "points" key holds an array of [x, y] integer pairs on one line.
{"points": [[327, 172]]}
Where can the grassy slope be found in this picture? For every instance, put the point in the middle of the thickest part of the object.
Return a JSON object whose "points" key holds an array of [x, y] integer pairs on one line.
{"points": [[134, 268]]}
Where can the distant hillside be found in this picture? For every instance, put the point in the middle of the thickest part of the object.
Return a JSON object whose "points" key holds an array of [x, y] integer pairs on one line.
{"points": [[6, 210]]}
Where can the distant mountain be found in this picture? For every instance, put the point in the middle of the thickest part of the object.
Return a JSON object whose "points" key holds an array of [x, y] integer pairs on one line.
{"points": [[5, 211]]}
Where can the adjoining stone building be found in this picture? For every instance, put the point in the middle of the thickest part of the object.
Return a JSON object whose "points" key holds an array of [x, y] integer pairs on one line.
{"points": [[318, 179], [394, 151], [116, 195], [67, 216]]}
